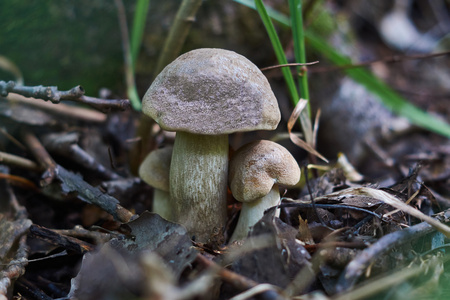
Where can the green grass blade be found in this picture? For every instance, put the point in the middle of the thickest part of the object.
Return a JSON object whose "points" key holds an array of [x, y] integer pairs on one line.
{"points": [[275, 15], [129, 70], [134, 97], [140, 17], [389, 97], [295, 9], [178, 33], [279, 51], [305, 120]]}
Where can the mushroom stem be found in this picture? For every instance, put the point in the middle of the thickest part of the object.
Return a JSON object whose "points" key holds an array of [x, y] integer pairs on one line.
{"points": [[252, 212], [198, 183], [161, 204]]}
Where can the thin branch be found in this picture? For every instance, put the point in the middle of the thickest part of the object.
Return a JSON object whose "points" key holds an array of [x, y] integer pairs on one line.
{"points": [[39, 92], [78, 231], [17, 161], [391, 59], [329, 206], [12, 139], [21, 181], [66, 144], [42, 157], [52, 94], [61, 110], [289, 65], [178, 32], [103, 104], [238, 281], [70, 244], [16, 267]]}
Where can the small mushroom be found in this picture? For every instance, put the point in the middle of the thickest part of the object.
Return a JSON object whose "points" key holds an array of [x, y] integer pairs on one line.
{"points": [[204, 95], [154, 170], [256, 169]]}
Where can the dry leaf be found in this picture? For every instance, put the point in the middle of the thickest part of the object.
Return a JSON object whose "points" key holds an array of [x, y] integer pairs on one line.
{"points": [[303, 232], [295, 139], [349, 171], [391, 200]]}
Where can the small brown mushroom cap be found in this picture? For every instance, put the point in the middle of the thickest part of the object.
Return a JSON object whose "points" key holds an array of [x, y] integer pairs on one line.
{"points": [[155, 168], [257, 166], [212, 91]]}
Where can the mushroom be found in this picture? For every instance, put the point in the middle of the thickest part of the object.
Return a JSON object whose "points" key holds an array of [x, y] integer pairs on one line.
{"points": [[154, 170], [204, 95], [256, 169]]}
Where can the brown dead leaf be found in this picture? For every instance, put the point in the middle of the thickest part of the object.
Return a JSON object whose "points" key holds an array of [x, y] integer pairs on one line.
{"points": [[379, 195], [294, 138], [150, 232], [281, 258], [303, 232]]}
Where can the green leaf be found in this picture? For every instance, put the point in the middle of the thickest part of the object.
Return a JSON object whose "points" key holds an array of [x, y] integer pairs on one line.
{"points": [[134, 97], [279, 51], [295, 9], [137, 32], [277, 16]]}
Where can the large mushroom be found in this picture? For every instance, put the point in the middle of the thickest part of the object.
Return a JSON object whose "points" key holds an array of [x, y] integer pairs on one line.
{"points": [[256, 170], [204, 95]]}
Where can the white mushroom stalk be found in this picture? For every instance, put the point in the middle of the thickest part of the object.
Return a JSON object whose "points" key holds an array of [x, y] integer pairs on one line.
{"points": [[204, 95], [256, 169], [252, 212], [154, 170], [198, 181]]}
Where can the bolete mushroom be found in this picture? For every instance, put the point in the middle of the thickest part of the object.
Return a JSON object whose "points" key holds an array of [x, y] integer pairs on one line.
{"points": [[204, 95], [154, 170], [256, 169]]}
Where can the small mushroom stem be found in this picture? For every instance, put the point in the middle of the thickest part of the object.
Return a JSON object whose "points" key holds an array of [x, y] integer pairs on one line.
{"points": [[161, 204], [252, 212], [198, 183]]}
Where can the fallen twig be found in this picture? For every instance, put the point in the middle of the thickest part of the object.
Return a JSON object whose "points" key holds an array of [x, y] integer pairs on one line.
{"points": [[390, 59], [238, 281], [42, 156], [52, 94], [289, 65], [87, 193], [61, 110], [78, 231], [19, 181], [16, 267], [329, 206], [65, 144], [17, 161], [68, 243], [39, 92]]}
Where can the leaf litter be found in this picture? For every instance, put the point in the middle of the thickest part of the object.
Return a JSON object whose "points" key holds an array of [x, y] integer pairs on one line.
{"points": [[326, 238]]}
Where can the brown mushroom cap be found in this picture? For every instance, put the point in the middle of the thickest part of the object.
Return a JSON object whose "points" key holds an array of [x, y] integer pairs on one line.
{"points": [[212, 91], [154, 170], [257, 166]]}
